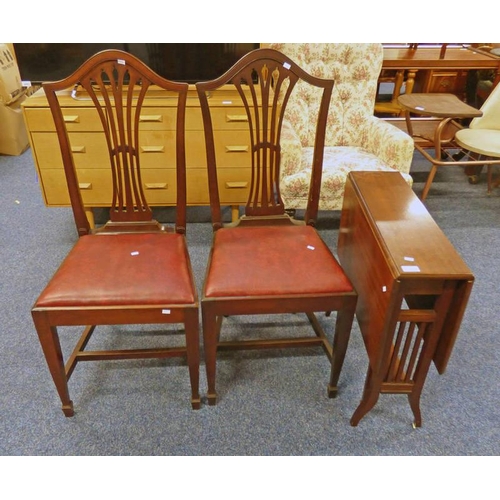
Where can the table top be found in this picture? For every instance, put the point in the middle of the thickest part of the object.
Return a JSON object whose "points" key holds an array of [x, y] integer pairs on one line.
{"points": [[437, 105], [411, 238], [429, 58]]}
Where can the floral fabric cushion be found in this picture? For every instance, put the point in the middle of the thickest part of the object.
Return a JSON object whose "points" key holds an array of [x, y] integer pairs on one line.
{"points": [[337, 163], [353, 133]]}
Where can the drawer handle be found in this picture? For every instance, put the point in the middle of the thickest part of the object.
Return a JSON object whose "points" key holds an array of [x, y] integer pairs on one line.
{"points": [[85, 185], [237, 118], [71, 119], [236, 149], [78, 149], [150, 118], [152, 149], [236, 185], [156, 185]]}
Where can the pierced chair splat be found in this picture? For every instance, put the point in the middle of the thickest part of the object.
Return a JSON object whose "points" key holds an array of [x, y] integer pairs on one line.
{"points": [[267, 262], [132, 270]]}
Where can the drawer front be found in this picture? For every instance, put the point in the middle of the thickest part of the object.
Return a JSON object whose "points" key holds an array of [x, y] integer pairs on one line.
{"points": [[229, 118], [448, 82], [163, 119], [89, 149], [87, 119], [159, 186], [234, 186], [223, 118], [77, 119], [232, 149], [95, 185]]}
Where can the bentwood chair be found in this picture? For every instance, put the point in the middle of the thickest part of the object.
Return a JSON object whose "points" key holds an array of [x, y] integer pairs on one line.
{"points": [[267, 262], [132, 270], [478, 144], [481, 140]]}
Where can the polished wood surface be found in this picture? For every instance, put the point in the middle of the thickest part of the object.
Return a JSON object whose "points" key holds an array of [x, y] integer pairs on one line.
{"points": [[438, 105], [431, 58], [412, 285], [132, 270], [267, 262]]}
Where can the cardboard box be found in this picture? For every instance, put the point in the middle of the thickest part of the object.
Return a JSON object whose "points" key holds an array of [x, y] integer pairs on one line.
{"points": [[11, 87], [13, 134]]}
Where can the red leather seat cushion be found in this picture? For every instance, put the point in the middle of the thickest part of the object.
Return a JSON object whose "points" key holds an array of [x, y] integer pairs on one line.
{"points": [[122, 269], [279, 260]]}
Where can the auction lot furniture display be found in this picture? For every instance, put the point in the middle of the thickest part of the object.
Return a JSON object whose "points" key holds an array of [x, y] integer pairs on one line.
{"points": [[158, 120], [412, 286]]}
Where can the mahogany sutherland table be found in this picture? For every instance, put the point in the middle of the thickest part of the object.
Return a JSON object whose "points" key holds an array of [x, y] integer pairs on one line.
{"points": [[412, 285]]}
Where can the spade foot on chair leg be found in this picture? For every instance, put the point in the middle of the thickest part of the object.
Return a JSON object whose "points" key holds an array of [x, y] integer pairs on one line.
{"points": [[212, 399], [68, 409], [332, 391], [196, 403]]}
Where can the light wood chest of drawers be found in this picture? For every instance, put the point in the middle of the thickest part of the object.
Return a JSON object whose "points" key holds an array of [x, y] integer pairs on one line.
{"points": [[157, 161]]}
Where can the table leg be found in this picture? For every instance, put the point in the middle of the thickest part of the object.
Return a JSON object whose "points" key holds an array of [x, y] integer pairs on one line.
{"points": [[370, 396], [90, 216], [235, 212]]}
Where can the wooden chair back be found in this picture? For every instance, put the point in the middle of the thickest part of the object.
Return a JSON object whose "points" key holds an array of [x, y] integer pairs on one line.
{"points": [[264, 80], [117, 84]]}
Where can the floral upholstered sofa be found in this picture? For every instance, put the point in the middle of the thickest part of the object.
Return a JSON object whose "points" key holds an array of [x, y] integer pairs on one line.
{"points": [[355, 138]]}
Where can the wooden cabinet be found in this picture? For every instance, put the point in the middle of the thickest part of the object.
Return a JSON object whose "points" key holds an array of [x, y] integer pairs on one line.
{"points": [[442, 81], [157, 162]]}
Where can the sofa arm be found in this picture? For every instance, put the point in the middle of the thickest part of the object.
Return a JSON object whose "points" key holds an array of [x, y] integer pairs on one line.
{"points": [[291, 150], [392, 145]]}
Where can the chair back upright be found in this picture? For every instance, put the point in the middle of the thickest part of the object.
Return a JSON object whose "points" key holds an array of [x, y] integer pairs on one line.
{"points": [[117, 83], [264, 80]]}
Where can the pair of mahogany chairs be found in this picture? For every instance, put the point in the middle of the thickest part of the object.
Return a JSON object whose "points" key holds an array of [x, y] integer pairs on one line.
{"points": [[134, 270]]}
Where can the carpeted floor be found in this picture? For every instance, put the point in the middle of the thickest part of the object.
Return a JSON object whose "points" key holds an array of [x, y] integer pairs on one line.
{"points": [[270, 403]]}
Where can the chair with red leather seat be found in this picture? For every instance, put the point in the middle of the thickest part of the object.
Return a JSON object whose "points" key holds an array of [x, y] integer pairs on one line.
{"points": [[132, 270], [268, 262]]}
